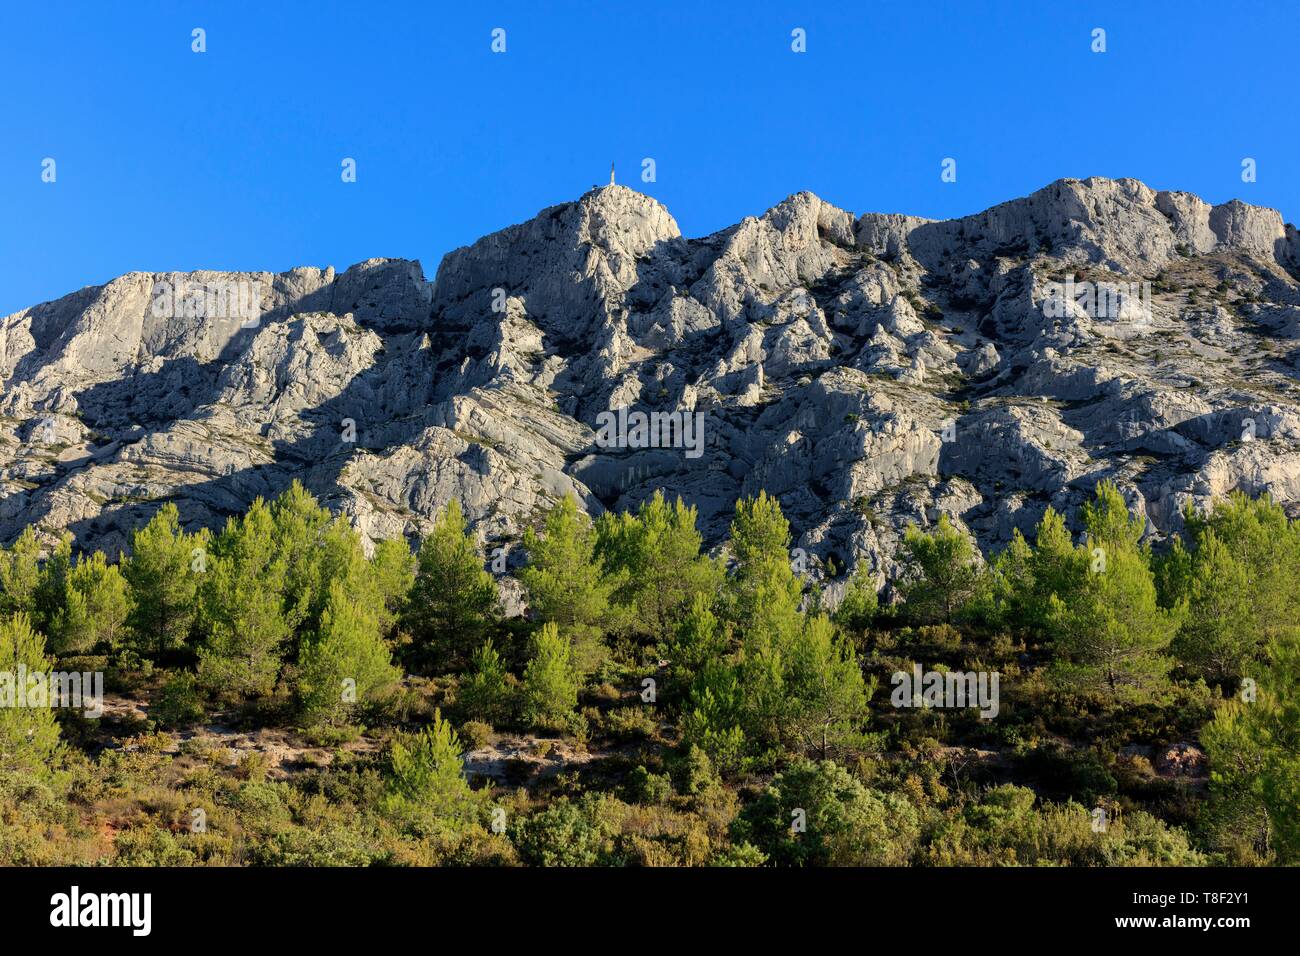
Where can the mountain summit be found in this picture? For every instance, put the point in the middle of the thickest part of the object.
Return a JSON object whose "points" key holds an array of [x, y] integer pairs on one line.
{"points": [[870, 371]]}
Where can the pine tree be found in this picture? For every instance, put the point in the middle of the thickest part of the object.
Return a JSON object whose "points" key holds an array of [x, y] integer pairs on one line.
{"points": [[340, 559], [763, 597], [940, 572], [248, 628], [427, 777], [1108, 522], [392, 567], [761, 669], [29, 735], [71, 631], [1259, 536], [700, 638], [347, 665], [860, 604], [485, 693], [51, 585], [318, 550], [712, 720], [1111, 636], [454, 600], [1218, 639], [1056, 568], [1280, 731], [1253, 539], [1109, 631], [163, 573], [550, 686], [1254, 751], [827, 695], [1023, 578], [566, 580], [298, 530], [94, 608], [20, 573], [1011, 585], [764, 591], [654, 556]]}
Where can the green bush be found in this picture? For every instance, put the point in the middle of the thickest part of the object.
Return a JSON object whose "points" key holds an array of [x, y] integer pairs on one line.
{"points": [[646, 787], [178, 702], [818, 814], [476, 734], [566, 833]]}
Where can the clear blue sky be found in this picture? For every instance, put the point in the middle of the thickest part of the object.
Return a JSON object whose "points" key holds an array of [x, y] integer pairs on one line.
{"points": [[230, 159]]}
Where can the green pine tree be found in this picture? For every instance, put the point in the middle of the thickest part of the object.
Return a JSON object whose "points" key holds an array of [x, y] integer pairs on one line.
{"points": [[712, 719], [1108, 522], [426, 778], [29, 735], [566, 580], [347, 665], [299, 524], [550, 685], [699, 639], [764, 591], [860, 604], [1253, 746], [94, 609], [243, 609], [392, 568], [20, 574], [1057, 568], [1111, 637], [827, 694], [1257, 533], [940, 573], [1218, 639], [654, 556], [454, 600], [163, 575], [52, 585], [486, 693]]}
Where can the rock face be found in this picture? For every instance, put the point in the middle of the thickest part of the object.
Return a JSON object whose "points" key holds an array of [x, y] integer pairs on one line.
{"points": [[869, 371]]}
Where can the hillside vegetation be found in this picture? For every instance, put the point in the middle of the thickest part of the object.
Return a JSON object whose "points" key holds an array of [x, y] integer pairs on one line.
{"points": [[277, 696]]}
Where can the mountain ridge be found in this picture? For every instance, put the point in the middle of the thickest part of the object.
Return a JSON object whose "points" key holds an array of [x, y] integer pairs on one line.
{"points": [[869, 370]]}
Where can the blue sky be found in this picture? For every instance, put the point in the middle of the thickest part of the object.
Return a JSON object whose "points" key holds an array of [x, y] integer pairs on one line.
{"points": [[230, 159]]}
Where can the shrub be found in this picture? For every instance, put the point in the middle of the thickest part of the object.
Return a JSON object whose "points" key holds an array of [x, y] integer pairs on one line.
{"points": [[179, 702], [476, 733], [566, 833], [646, 787], [818, 814], [625, 724]]}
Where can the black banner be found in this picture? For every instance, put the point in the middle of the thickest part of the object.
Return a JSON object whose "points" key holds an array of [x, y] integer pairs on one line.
{"points": [[332, 905]]}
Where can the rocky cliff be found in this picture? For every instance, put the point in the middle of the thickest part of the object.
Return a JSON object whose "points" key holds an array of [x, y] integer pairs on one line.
{"points": [[870, 371]]}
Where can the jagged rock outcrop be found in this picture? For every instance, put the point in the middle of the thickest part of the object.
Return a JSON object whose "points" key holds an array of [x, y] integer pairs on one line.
{"points": [[869, 370]]}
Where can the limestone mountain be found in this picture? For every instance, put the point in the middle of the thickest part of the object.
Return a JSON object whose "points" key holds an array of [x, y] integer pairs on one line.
{"points": [[870, 371]]}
